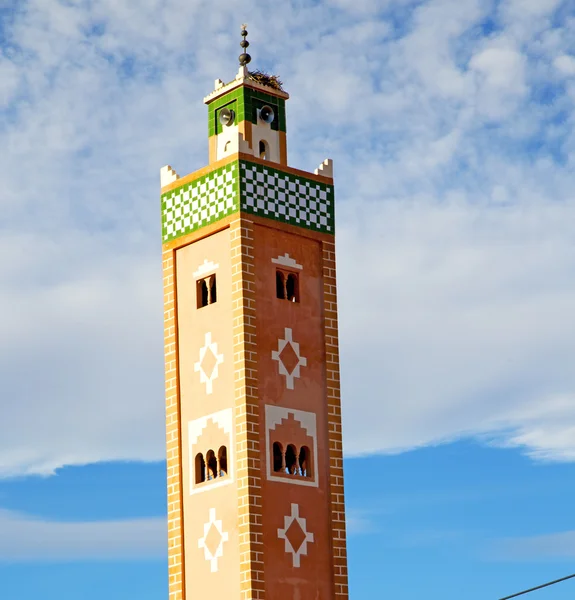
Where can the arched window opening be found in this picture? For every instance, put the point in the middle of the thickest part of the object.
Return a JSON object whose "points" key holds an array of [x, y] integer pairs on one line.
{"points": [[305, 462], [202, 293], [291, 460], [278, 458], [206, 291], [213, 294], [280, 285], [212, 465], [227, 146], [223, 461], [263, 149], [200, 468], [287, 285], [292, 288]]}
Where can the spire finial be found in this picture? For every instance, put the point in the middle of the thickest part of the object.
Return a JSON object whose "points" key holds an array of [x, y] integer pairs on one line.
{"points": [[245, 58]]}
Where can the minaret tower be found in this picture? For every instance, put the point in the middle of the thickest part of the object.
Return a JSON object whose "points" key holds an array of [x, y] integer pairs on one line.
{"points": [[254, 442]]}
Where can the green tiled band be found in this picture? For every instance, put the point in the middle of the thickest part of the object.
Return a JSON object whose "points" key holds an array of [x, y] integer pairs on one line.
{"points": [[252, 188], [245, 101], [288, 198], [200, 202]]}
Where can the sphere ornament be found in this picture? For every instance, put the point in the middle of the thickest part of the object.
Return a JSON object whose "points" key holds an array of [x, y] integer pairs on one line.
{"points": [[244, 57]]}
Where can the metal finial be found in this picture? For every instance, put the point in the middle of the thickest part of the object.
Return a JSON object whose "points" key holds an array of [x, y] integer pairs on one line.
{"points": [[245, 58]]}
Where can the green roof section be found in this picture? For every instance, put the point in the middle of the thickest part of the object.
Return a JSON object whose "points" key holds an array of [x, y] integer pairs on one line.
{"points": [[252, 188], [245, 101]]}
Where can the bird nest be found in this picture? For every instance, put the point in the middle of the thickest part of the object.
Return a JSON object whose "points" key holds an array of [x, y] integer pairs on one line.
{"points": [[272, 81]]}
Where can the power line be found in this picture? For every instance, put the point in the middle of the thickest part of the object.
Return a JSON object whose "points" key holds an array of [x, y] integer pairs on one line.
{"points": [[538, 587]]}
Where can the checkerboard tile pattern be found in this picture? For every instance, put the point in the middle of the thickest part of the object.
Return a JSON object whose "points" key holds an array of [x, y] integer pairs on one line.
{"points": [[200, 202], [252, 188], [285, 197]]}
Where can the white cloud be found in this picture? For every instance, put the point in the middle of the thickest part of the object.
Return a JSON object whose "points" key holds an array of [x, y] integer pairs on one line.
{"points": [[358, 522], [78, 394], [454, 236], [555, 546], [528, 21], [362, 6], [566, 64], [500, 75], [528, 9], [8, 81], [26, 538], [545, 426], [29, 538], [473, 332]]}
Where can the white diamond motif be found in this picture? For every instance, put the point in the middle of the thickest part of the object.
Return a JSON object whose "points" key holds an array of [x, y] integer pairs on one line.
{"points": [[276, 355], [282, 535], [202, 542], [204, 377]]}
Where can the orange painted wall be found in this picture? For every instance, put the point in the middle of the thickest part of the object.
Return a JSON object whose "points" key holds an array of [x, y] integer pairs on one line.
{"points": [[313, 578]]}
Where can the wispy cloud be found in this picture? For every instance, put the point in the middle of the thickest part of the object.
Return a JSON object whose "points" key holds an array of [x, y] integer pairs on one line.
{"points": [[425, 537], [451, 126], [26, 538], [555, 546], [360, 521]]}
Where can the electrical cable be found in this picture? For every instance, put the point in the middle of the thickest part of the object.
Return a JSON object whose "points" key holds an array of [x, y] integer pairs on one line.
{"points": [[538, 587]]}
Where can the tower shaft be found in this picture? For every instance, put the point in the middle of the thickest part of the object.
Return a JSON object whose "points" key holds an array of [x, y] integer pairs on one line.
{"points": [[253, 416]]}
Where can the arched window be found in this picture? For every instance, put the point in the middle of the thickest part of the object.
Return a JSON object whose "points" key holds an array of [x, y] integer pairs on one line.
{"points": [[213, 294], [305, 462], [202, 293], [223, 461], [212, 465], [278, 457], [206, 291], [263, 149], [200, 468], [287, 285], [291, 460], [280, 289], [292, 288]]}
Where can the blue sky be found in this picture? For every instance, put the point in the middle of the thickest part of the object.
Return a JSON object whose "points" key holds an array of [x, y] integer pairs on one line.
{"points": [[450, 123], [457, 520]]}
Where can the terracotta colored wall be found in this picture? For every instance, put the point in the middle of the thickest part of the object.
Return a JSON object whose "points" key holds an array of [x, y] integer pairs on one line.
{"points": [[246, 322], [313, 578]]}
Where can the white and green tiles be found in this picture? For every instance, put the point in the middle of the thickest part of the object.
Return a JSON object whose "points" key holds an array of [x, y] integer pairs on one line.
{"points": [[252, 188], [200, 202]]}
